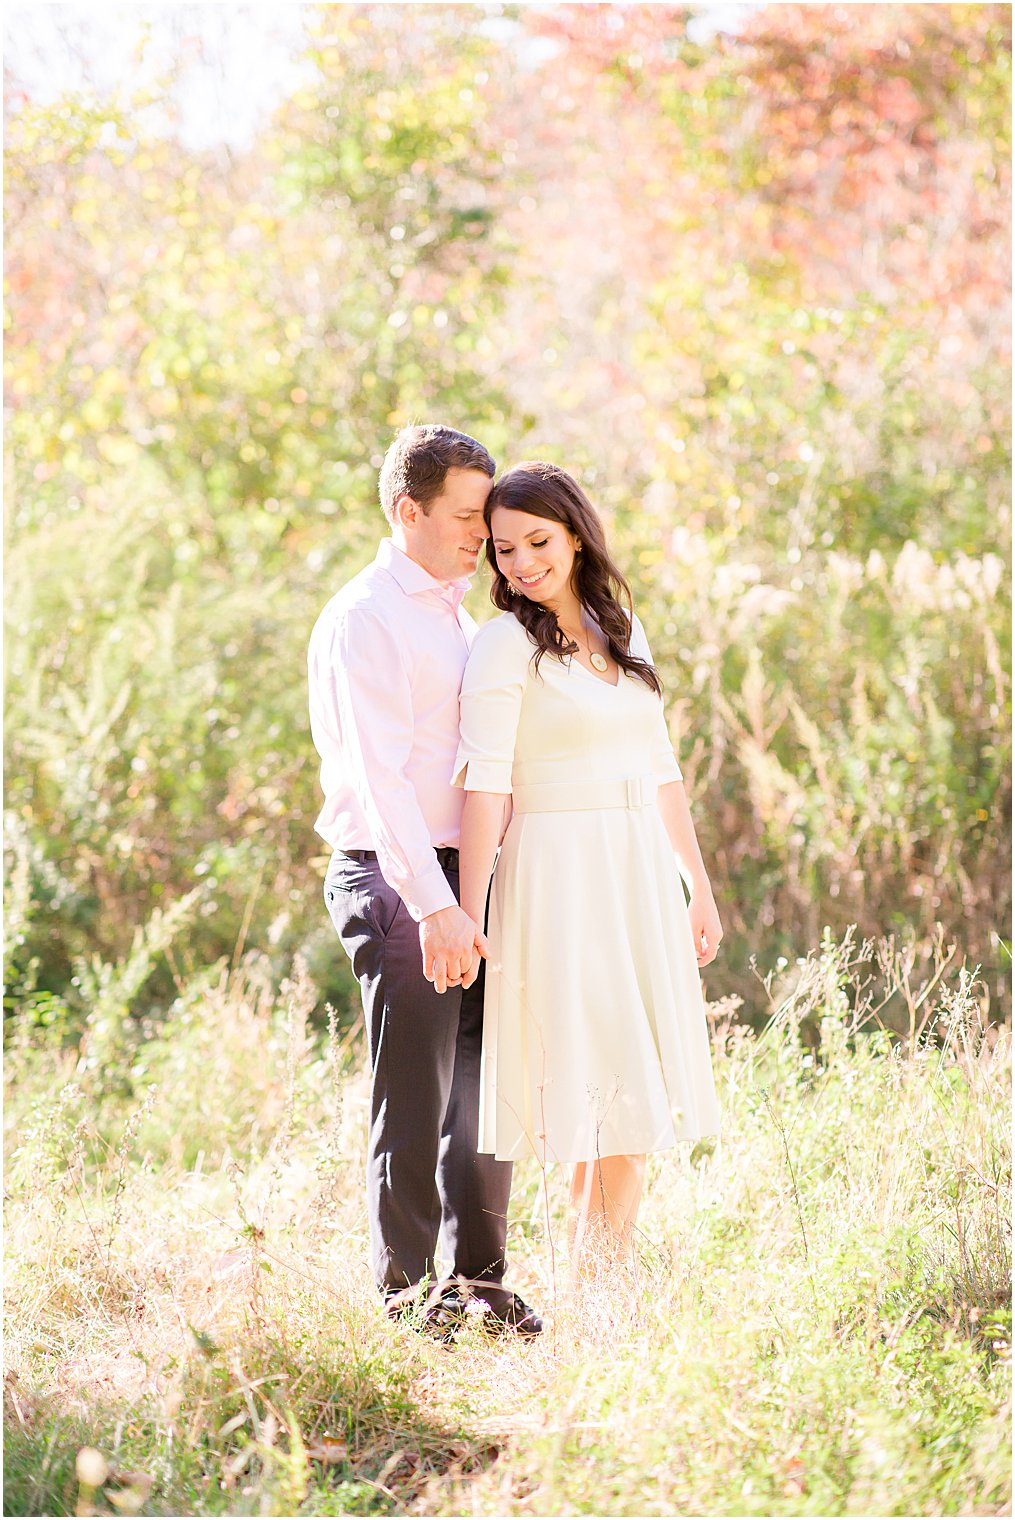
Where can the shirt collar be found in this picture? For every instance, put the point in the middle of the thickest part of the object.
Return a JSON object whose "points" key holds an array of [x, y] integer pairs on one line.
{"points": [[413, 579]]}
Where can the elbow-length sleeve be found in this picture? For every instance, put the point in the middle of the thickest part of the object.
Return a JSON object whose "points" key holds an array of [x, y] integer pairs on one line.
{"points": [[491, 702], [664, 761]]}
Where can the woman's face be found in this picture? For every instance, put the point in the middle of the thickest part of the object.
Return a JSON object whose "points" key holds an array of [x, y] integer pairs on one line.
{"points": [[534, 555]]}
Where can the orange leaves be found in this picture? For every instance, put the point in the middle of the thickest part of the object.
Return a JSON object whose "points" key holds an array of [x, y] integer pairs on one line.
{"points": [[864, 143]]}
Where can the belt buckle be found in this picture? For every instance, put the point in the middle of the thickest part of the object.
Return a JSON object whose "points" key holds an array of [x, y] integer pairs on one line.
{"points": [[637, 788]]}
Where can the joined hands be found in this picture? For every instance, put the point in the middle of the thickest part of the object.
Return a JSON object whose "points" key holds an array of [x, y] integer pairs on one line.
{"points": [[452, 945]]}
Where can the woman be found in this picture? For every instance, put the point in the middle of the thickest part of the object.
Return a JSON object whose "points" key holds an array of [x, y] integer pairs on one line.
{"points": [[595, 1046]]}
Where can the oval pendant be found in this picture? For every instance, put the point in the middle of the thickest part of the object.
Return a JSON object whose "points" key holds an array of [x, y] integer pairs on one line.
{"points": [[599, 662]]}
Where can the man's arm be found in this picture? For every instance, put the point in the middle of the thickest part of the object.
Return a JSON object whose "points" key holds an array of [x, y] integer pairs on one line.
{"points": [[362, 678]]}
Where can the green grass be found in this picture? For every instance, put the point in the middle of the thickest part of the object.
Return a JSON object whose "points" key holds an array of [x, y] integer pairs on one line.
{"points": [[819, 1322]]}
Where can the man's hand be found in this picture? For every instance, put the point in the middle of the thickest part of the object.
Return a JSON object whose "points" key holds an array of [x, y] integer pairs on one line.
{"points": [[449, 940]]}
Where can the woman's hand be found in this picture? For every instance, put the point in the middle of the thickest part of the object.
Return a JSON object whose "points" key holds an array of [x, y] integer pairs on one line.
{"points": [[706, 929]]}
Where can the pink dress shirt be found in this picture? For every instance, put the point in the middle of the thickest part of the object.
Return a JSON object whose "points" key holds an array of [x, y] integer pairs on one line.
{"points": [[386, 661]]}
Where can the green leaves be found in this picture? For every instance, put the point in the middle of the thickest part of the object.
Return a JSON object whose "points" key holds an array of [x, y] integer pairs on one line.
{"points": [[619, 259]]}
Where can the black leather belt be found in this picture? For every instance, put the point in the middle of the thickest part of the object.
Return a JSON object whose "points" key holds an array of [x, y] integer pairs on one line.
{"points": [[446, 854]]}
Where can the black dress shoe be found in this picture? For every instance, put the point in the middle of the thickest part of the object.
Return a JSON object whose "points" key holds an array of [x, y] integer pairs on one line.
{"points": [[440, 1316], [509, 1314]]}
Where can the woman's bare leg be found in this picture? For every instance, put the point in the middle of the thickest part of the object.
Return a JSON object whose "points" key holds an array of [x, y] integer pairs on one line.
{"points": [[604, 1205]]}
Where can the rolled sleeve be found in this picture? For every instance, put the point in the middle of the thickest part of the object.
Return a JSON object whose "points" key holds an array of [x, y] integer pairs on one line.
{"points": [[664, 762], [491, 703]]}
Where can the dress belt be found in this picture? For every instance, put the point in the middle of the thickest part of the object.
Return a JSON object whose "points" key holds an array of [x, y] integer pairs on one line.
{"points": [[579, 796]]}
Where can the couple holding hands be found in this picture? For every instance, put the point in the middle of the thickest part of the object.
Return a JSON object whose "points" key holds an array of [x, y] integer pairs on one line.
{"points": [[533, 750]]}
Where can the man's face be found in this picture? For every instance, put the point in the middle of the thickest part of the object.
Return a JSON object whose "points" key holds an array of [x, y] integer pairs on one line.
{"points": [[447, 539]]}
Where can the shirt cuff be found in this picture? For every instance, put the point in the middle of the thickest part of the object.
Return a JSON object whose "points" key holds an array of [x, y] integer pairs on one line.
{"points": [[427, 894]]}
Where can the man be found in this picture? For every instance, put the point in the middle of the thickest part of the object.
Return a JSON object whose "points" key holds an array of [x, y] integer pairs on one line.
{"points": [[385, 663]]}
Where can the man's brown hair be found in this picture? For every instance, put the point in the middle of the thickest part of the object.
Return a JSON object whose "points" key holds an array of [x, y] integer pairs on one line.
{"points": [[418, 461]]}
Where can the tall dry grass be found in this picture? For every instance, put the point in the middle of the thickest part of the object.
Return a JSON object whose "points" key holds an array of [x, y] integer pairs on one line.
{"points": [[818, 1323]]}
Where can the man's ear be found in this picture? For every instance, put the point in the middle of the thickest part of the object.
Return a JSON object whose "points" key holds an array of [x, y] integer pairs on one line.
{"points": [[407, 511]]}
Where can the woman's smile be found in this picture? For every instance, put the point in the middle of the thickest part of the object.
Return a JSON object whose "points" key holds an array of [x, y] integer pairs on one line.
{"points": [[535, 555]]}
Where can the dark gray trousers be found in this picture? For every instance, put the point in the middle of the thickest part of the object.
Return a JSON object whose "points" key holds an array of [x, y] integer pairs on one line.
{"points": [[423, 1169]]}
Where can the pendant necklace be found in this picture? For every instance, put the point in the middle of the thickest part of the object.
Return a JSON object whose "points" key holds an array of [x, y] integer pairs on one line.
{"points": [[597, 661]]}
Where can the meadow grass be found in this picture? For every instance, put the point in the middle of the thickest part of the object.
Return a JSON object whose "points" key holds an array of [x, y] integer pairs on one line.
{"points": [[818, 1323]]}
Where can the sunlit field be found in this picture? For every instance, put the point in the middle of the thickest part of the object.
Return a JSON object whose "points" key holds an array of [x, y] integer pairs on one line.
{"points": [[744, 271], [818, 1322]]}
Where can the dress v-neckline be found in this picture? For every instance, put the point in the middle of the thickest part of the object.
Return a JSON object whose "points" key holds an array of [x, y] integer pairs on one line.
{"points": [[599, 680], [588, 623]]}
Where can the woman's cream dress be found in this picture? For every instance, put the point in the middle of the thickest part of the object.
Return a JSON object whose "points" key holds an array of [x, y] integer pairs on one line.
{"points": [[594, 1037]]}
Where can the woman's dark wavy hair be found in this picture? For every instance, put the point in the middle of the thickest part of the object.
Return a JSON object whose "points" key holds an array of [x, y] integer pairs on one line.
{"points": [[544, 490]]}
